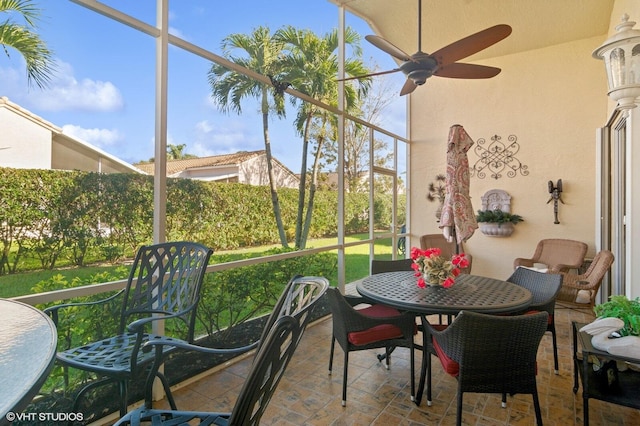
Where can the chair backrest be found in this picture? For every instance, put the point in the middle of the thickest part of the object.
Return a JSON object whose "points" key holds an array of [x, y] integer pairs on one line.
{"points": [[492, 349], [589, 281], [556, 251], [166, 277], [297, 299], [266, 372], [447, 249], [543, 287], [380, 266], [600, 264], [277, 348]]}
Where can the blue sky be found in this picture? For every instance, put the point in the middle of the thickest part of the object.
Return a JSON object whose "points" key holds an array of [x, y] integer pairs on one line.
{"points": [[104, 90]]}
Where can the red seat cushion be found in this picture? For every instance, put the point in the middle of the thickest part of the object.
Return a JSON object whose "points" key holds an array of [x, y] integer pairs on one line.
{"points": [[379, 332], [549, 319], [450, 366]]}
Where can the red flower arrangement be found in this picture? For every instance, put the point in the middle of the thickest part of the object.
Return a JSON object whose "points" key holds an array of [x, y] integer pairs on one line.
{"points": [[434, 270]]}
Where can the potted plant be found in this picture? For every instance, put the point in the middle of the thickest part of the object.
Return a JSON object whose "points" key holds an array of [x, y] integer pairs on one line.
{"points": [[496, 223], [621, 307]]}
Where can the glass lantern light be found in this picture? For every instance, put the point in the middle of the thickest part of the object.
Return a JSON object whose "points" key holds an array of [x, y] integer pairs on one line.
{"points": [[621, 54]]}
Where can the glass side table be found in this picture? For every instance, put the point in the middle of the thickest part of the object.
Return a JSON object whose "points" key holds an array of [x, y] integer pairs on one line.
{"points": [[626, 393]]}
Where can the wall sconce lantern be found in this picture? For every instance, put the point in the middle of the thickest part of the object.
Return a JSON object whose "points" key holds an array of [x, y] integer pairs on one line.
{"points": [[621, 54]]}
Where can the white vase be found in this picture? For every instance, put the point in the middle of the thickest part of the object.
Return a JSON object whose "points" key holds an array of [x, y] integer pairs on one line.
{"points": [[496, 229]]}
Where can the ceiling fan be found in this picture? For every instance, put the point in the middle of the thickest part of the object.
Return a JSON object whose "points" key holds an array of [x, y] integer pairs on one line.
{"points": [[442, 63]]}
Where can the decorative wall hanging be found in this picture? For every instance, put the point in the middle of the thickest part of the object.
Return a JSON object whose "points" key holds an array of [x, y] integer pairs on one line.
{"points": [[497, 158], [436, 193], [495, 218], [496, 199], [555, 192]]}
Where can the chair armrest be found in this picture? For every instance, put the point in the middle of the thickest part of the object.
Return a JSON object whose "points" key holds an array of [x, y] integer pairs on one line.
{"points": [[52, 311], [520, 261], [356, 300], [137, 326], [560, 267], [169, 341]]}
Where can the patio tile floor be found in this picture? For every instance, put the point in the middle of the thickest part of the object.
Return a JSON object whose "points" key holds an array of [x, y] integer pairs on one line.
{"points": [[307, 395]]}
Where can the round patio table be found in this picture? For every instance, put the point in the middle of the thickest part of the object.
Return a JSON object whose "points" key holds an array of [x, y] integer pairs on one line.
{"points": [[28, 341], [470, 293]]}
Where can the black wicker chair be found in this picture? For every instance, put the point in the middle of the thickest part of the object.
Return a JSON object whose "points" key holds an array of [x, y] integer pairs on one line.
{"points": [[283, 332], [490, 354], [545, 289], [164, 284], [380, 266], [374, 326]]}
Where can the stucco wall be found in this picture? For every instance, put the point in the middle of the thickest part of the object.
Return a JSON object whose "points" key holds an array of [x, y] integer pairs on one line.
{"points": [[552, 100], [24, 144]]}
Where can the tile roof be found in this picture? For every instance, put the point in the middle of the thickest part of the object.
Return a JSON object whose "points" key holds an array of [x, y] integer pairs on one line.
{"points": [[177, 166]]}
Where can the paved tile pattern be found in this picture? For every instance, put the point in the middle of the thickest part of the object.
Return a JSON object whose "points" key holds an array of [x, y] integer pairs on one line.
{"points": [[307, 395]]}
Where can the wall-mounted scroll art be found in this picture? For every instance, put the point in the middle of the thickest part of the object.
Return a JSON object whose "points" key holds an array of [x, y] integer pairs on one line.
{"points": [[497, 158]]}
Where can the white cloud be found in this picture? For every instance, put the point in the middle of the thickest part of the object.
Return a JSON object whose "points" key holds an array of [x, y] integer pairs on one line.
{"points": [[97, 137], [68, 93]]}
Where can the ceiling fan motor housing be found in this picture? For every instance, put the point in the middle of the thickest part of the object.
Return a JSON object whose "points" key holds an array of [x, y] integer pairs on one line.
{"points": [[419, 68]]}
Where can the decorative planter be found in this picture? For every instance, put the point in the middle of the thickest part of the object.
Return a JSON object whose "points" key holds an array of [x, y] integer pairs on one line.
{"points": [[496, 229]]}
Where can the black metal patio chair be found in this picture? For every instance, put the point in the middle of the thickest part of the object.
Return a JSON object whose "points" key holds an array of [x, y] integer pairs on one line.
{"points": [[283, 332], [164, 284]]}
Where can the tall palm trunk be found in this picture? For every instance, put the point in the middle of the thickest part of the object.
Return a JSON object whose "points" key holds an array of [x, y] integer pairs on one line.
{"points": [[312, 193], [302, 188], [272, 180]]}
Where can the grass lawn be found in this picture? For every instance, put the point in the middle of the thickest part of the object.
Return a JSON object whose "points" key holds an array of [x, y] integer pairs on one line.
{"points": [[357, 261]]}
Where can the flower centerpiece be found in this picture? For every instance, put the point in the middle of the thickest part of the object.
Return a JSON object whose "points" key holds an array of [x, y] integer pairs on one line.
{"points": [[434, 270]]}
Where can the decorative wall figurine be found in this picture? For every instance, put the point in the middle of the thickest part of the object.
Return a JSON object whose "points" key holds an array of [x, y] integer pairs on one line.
{"points": [[555, 192]]}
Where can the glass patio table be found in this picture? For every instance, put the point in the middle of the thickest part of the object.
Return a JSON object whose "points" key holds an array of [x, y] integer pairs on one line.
{"points": [[27, 352], [470, 292]]}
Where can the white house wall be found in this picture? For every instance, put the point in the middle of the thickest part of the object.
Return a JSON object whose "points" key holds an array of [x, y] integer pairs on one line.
{"points": [[23, 143], [254, 172], [552, 100]]}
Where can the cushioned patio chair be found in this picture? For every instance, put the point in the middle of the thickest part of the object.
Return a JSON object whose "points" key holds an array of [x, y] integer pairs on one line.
{"points": [[580, 290], [490, 354], [555, 255], [545, 289], [371, 327], [283, 332], [447, 249], [164, 284]]}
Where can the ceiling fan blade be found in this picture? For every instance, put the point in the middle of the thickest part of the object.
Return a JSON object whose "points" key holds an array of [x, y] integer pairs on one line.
{"points": [[409, 86], [387, 47], [369, 75], [459, 70], [471, 44]]}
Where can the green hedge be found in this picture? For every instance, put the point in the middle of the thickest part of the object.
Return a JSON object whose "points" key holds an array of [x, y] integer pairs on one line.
{"points": [[54, 218]]}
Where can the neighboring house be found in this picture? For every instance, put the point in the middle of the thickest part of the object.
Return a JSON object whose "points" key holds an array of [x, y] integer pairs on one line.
{"points": [[242, 167], [27, 141]]}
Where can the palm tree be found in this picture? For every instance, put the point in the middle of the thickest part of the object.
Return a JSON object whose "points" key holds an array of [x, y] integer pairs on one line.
{"points": [[262, 54], [311, 67], [22, 38]]}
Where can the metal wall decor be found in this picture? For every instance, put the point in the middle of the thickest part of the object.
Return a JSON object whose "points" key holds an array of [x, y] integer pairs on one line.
{"points": [[497, 158], [555, 192]]}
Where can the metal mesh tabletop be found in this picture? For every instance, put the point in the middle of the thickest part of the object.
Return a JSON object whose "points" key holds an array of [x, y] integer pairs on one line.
{"points": [[27, 349], [470, 292]]}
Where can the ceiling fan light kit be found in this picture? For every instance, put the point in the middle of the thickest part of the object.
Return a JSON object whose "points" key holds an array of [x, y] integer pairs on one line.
{"points": [[443, 62]]}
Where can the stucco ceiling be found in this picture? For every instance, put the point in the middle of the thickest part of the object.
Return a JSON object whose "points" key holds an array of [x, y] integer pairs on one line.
{"points": [[535, 23]]}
